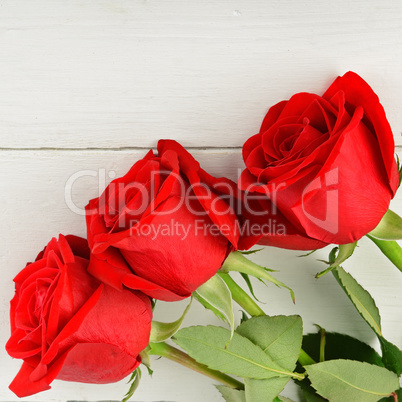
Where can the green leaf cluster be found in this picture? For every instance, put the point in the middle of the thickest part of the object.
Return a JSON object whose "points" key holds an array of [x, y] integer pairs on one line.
{"points": [[267, 352], [352, 370], [365, 305], [263, 351]]}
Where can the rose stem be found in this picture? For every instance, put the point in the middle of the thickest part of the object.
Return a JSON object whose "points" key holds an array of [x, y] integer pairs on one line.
{"points": [[391, 249], [241, 297], [249, 305], [164, 350]]}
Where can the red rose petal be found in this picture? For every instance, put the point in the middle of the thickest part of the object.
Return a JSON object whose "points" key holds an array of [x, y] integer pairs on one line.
{"points": [[180, 259], [250, 145], [97, 363], [354, 185], [359, 93], [22, 385], [271, 117]]}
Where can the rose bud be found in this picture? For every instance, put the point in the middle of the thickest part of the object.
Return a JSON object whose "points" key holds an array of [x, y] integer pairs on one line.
{"points": [[322, 166], [164, 228], [66, 325]]}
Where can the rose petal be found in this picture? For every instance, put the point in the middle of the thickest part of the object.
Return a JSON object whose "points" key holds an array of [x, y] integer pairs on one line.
{"points": [[359, 93], [264, 224], [120, 318], [97, 363], [22, 385], [177, 251], [272, 116], [250, 145], [344, 184], [109, 267]]}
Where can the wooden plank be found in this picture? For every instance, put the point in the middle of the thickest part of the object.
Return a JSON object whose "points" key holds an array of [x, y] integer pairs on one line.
{"points": [[33, 209], [123, 74]]}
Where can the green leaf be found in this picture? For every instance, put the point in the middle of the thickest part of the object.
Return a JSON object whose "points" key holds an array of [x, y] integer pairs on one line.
{"points": [[238, 263], [161, 331], [312, 397], [348, 380], [279, 336], [389, 228], [361, 299], [135, 382], [244, 317], [337, 346], [364, 303], [241, 357], [264, 390], [216, 293], [340, 346], [230, 394], [391, 356], [398, 394], [345, 251]]}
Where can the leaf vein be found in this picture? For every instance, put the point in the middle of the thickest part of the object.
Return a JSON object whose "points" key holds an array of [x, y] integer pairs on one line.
{"points": [[284, 332], [355, 386], [240, 357]]}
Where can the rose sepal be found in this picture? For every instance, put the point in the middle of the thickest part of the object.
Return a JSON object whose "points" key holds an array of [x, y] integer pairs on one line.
{"points": [[216, 296], [161, 331], [345, 251], [389, 228], [236, 261], [391, 249], [135, 382], [145, 359]]}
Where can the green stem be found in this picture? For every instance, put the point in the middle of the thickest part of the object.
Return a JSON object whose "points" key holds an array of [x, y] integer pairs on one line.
{"points": [[241, 297], [391, 249], [169, 352], [249, 305], [304, 359], [323, 341]]}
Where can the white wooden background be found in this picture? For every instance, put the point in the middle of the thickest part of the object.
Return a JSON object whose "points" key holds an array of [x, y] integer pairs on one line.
{"points": [[92, 85]]}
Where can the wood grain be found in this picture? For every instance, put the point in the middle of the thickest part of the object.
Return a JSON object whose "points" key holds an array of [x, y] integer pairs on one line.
{"points": [[124, 73], [33, 209], [87, 87]]}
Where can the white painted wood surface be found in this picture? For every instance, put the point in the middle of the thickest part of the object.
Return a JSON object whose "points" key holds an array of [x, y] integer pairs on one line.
{"points": [[115, 74], [84, 80]]}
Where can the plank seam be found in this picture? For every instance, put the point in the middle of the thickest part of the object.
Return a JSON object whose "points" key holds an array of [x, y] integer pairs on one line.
{"points": [[211, 148], [45, 149]]}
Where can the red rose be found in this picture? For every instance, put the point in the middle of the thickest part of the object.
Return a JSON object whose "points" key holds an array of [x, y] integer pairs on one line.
{"points": [[66, 325], [326, 163], [169, 219]]}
